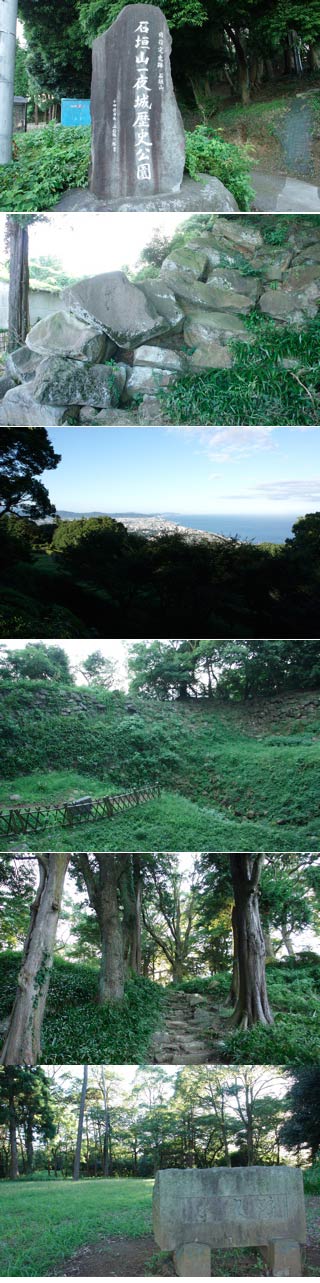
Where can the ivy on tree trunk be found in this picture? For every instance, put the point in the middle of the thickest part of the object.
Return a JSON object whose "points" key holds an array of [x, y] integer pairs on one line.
{"points": [[23, 1041]]}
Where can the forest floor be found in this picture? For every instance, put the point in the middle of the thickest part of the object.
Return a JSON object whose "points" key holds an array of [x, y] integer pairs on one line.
{"points": [[103, 1228]]}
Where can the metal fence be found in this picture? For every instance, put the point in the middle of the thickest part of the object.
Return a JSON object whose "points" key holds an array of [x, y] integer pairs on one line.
{"points": [[32, 819]]}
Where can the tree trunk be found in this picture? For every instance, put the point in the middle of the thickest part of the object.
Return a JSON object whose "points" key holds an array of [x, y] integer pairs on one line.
{"points": [[77, 1157], [111, 982], [288, 942], [19, 320], [23, 1041], [234, 987], [29, 1146], [252, 1006], [8, 20], [14, 1166]]}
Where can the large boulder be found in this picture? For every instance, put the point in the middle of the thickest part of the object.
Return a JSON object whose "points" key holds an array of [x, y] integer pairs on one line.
{"points": [[248, 239], [159, 293], [138, 140], [19, 409], [230, 278], [202, 327], [188, 260], [71, 383], [304, 280], [118, 307], [63, 334], [210, 297], [161, 358], [144, 380], [112, 418], [286, 306], [22, 364]]}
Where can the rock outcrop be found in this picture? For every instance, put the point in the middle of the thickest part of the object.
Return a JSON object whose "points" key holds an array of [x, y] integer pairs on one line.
{"points": [[112, 346]]}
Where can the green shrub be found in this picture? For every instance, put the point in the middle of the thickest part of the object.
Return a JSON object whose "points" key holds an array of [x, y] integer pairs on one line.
{"points": [[207, 153], [53, 158], [311, 1179], [48, 161]]}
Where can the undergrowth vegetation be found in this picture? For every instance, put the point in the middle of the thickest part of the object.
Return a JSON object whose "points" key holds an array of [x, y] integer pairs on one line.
{"points": [[259, 388], [77, 1030], [51, 159]]}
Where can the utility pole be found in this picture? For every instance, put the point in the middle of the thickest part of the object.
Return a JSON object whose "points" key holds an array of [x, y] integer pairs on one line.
{"points": [[8, 22]]}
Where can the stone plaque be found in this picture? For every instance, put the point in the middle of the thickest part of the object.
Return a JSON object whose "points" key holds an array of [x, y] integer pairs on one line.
{"points": [[228, 1207], [138, 144]]}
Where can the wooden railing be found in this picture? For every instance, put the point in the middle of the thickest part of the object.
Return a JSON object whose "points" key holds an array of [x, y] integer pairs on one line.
{"points": [[31, 819]]}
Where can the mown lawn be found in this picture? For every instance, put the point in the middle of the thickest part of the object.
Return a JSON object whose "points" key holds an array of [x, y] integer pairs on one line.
{"points": [[42, 1222]]}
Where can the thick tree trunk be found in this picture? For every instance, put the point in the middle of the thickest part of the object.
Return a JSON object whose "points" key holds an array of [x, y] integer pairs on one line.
{"points": [[19, 320], [23, 1041], [252, 1006], [77, 1157], [111, 981]]}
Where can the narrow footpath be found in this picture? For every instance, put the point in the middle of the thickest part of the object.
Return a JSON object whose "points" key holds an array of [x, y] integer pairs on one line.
{"points": [[190, 1032]]}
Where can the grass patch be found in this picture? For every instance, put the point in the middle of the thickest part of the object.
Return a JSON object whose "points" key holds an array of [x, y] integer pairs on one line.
{"points": [[257, 389], [40, 1228], [76, 1030]]}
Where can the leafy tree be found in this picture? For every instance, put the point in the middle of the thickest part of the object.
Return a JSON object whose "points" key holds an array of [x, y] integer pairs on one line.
{"points": [[24, 454], [25, 1102], [21, 79], [98, 671], [58, 58], [36, 662], [303, 1126]]}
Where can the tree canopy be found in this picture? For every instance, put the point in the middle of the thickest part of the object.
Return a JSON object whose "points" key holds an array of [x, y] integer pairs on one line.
{"points": [[24, 456]]}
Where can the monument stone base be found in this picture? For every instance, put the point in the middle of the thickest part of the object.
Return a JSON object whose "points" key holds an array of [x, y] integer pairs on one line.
{"points": [[207, 194]]}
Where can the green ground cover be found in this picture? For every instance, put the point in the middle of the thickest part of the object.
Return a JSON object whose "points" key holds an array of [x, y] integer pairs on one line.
{"points": [[228, 781], [76, 1029], [40, 1226]]}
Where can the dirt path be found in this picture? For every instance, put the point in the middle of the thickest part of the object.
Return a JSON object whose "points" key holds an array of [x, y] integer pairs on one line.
{"points": [[186, 1035]]}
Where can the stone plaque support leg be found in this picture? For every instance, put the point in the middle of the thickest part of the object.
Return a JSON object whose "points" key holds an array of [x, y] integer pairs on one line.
{"points": [[284, 1258], [193, 1260]]}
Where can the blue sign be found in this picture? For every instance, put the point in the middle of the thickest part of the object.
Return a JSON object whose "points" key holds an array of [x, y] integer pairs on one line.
{"points": [[75, 111]]}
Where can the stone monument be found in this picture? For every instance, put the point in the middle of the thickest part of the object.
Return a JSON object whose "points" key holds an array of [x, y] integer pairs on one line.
{"points": [[138, 143], [195, 1210]]}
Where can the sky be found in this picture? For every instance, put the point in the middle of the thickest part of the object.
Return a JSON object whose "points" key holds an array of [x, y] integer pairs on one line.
{"points": [[87, 244], [273, 471]]}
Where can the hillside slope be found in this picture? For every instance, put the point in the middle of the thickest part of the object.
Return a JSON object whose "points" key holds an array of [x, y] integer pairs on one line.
{"points": [[232, 776]]}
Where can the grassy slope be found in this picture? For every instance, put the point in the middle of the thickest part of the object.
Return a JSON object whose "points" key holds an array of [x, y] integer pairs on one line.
{"points": [[231, 777], [40, 1225]]}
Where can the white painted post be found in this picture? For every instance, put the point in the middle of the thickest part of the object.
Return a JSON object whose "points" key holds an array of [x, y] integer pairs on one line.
{"points": [[8, 22]]}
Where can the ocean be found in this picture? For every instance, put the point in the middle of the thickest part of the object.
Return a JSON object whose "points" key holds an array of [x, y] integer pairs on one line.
{"points": [[263, 529]]}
